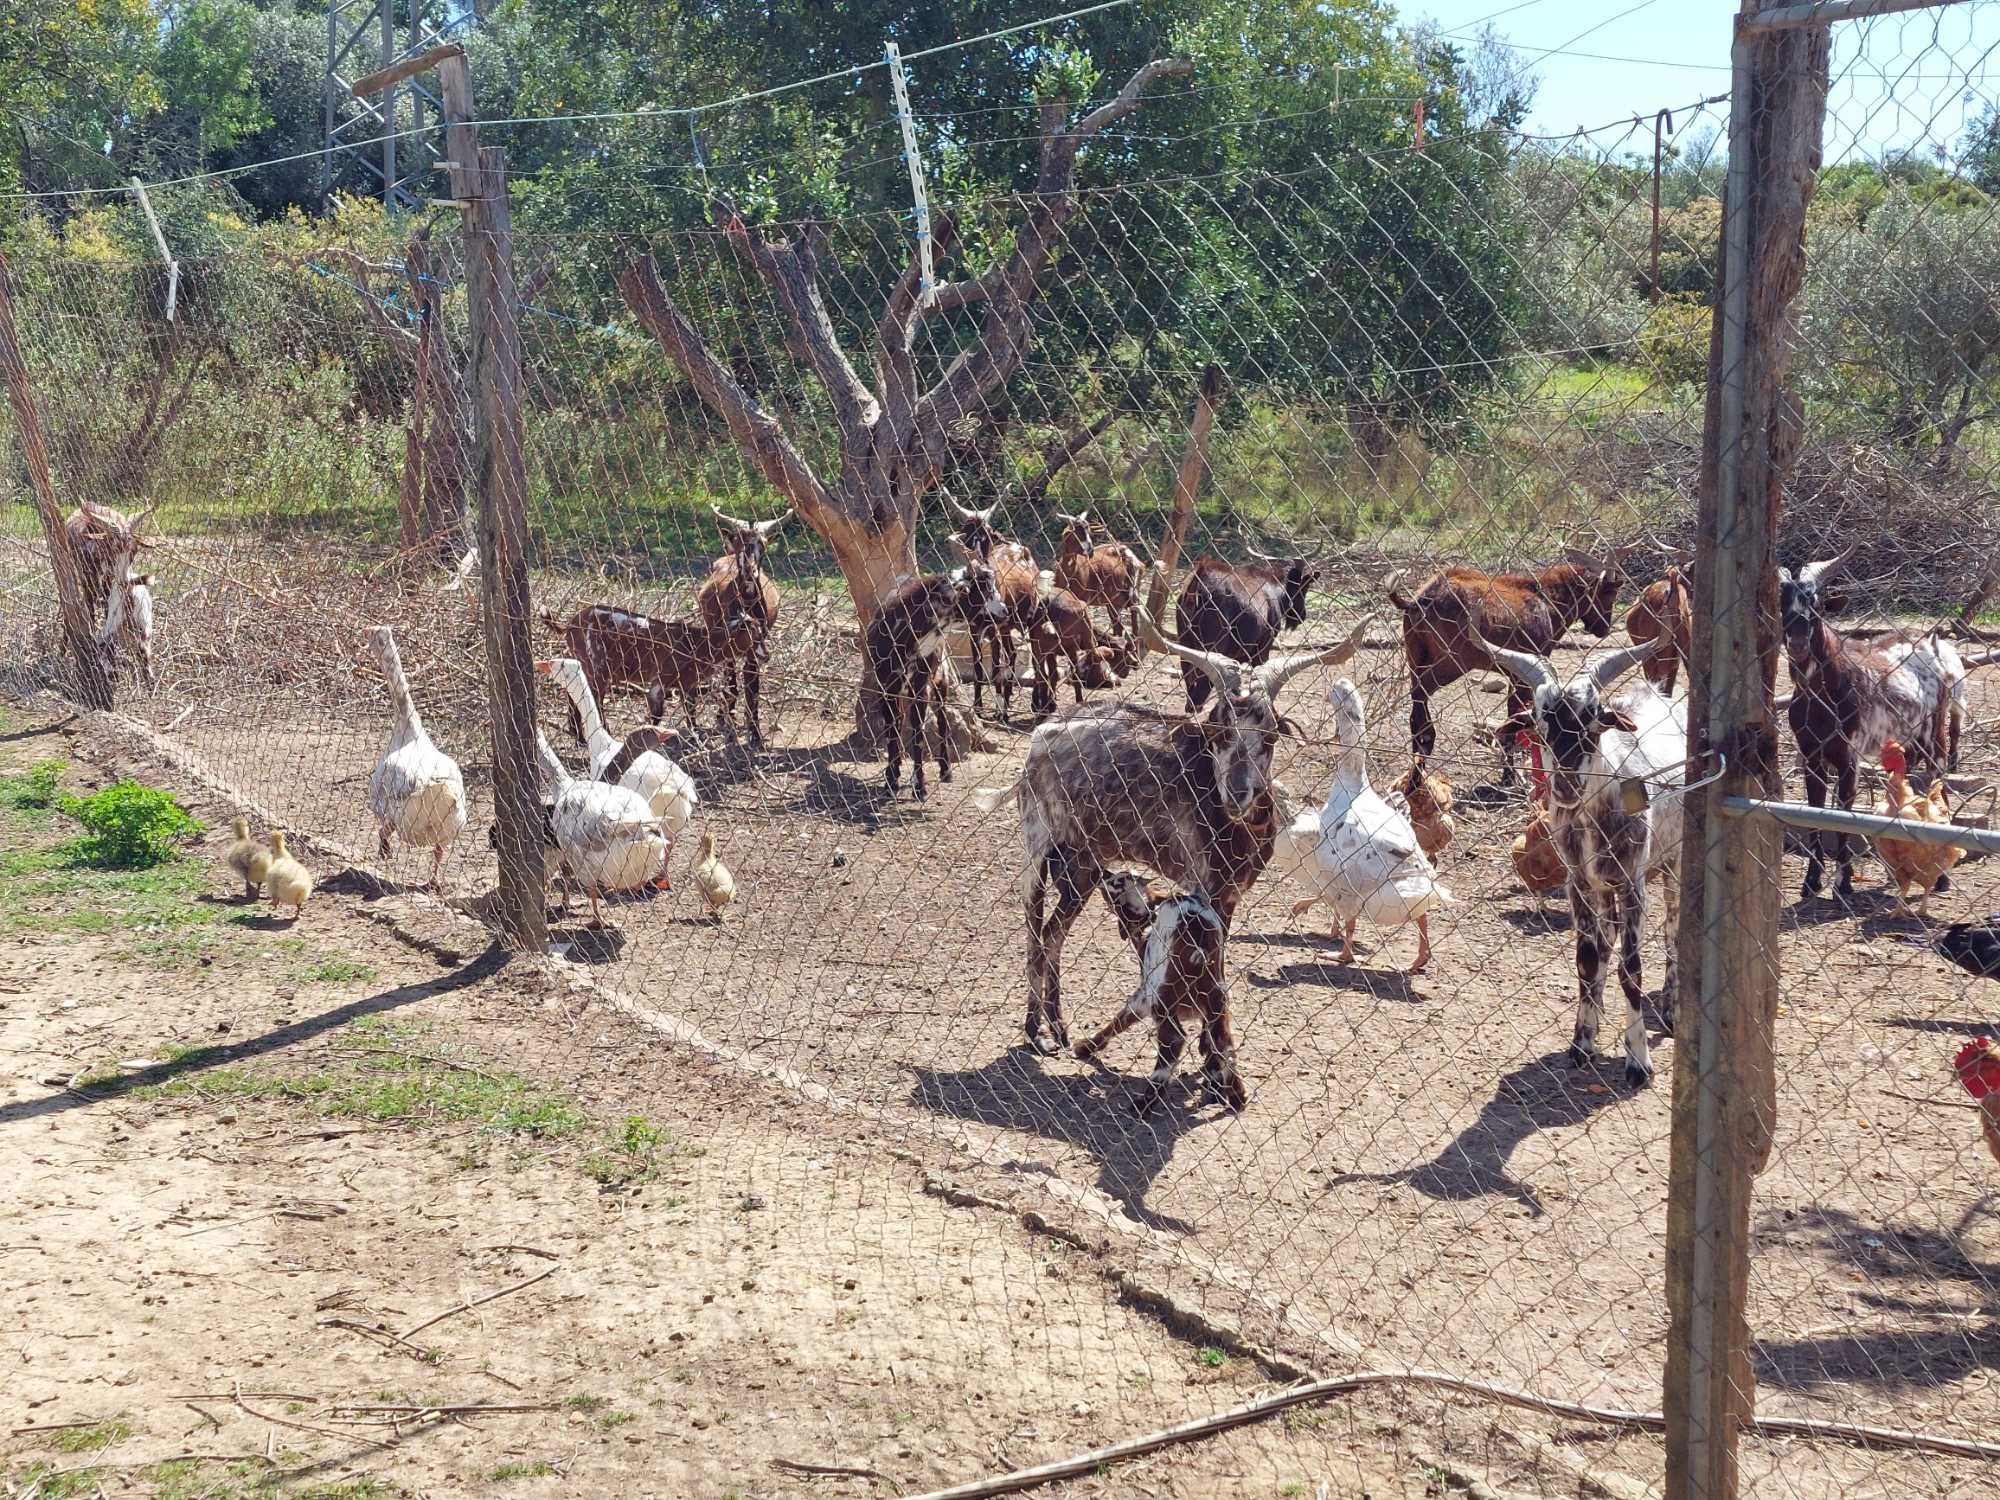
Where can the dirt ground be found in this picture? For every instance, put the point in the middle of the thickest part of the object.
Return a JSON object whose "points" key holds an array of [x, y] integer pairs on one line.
{"points": [[1419, 1179], [249, 1168]]}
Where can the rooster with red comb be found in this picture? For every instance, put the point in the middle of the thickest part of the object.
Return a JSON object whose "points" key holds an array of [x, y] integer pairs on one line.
{"points": [[1978, 1068]]}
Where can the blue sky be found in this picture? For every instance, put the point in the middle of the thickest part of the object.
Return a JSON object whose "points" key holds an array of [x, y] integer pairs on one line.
{"points": [[1898, 80]]}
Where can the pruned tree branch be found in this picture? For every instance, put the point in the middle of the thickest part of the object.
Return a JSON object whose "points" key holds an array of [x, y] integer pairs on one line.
{"points": [[1061, 452], [754, 430], [1008, 288], [792, 269]]}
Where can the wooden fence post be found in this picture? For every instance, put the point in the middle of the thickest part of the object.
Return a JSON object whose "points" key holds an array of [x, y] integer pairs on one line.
{"points": [[90, 662], [1724, 1100], [1188, 481], [479, 187]]}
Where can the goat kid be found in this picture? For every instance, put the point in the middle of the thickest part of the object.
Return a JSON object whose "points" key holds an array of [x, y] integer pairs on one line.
{"points": [[1105, 574], [904, 643], [1180, 941], [128, 621], [1849, 696], [1616, 779], [1122, 784], [1064, 632], [737, 599], [1663, 609]]}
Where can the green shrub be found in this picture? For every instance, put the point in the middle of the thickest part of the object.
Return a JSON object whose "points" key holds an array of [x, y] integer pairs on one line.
{"points": [[1675, 340], [130, 825], [36, 789]]}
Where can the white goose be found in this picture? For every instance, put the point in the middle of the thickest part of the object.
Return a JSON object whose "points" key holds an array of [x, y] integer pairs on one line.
{"points": [[666, 787], [609, 836], [415, 791], [1357, 851]]}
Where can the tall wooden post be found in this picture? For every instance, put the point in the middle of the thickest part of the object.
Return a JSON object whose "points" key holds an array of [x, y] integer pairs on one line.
{"points": [[90, 662], [479, 187], [1724, 1103], [1188, 481]]}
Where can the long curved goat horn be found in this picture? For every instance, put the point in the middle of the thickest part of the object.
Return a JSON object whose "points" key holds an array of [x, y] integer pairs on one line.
{"points": [[1274, 675], [1813, 572], [1224, 671], [1523, 666], [765, 528], [1607, 670], [731, 520]]}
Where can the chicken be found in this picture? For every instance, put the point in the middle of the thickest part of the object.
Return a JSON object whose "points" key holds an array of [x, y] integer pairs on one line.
{"points": [[1536, 859], [248, 857], [289, 880], [1973, 946], [1910, 863], [1427, 797], [1978, 1069], [712, 878]]}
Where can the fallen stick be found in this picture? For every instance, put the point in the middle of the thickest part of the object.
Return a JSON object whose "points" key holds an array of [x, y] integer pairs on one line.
{"points": [[455, 1411], [1320, 1390], [836, 1471], [325, 1432], [452, 1312]]}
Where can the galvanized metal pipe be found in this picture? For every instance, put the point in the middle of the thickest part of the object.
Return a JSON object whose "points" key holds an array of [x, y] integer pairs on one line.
{"points": [[1868, 825], [1835, 10]]}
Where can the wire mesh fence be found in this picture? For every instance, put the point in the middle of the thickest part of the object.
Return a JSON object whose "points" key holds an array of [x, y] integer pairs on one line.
{"points": [[1443, 347]]}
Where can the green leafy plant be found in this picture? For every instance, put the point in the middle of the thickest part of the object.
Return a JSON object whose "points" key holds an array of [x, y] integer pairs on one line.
{"points": [[37, 788], [130, 825]]}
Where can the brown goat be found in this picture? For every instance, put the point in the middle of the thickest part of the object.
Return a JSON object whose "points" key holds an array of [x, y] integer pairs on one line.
{"points": [[1663, 608], [737, 590], [1018, 579], [1126, 785], [662, 658], [1065, 633], [1107, 574], [1444, 620]]}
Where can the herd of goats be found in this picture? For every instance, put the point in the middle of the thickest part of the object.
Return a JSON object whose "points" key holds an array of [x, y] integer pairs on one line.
{"points": [[1112, 788]]}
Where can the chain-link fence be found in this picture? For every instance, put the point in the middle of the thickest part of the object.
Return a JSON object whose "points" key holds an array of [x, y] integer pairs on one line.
{"points": [[1438, 345]]}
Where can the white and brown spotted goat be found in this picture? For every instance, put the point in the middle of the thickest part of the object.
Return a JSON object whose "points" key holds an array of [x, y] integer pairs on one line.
{"points": [[1616, 780], [1106, 785]]}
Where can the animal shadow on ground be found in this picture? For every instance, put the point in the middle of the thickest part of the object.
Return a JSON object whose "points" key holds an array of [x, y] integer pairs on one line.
{"points": [[1941, 1027], [1869, 905], [1912, 1275], [1358, 978], [1550, 917], [1094, 1111], [1493, 794], [1546, 1094]]}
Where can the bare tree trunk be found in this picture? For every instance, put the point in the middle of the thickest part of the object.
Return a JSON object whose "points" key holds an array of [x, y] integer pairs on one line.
{"points": [[90, 660]]}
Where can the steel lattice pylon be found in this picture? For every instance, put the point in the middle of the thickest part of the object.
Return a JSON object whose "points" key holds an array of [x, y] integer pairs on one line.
{"points": [[361, 37]]}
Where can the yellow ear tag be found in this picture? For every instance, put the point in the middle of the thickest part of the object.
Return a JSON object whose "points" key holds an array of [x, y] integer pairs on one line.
{"points": [[1632, 794]]}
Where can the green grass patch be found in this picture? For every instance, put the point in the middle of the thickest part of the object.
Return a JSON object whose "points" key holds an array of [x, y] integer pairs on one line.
{"points": [[334, 968], [612, 1420], [47, 1482], [521, 1469], [88, 1439], [380, 1083], [633, 1153], [585, 1403]]}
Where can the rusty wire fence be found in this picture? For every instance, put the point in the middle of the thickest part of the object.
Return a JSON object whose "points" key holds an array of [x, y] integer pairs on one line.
{"points": [[1460, 349]]}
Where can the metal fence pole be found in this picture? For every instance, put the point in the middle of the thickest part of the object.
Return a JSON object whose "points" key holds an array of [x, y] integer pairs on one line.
{"points": [[1724, 1102]]}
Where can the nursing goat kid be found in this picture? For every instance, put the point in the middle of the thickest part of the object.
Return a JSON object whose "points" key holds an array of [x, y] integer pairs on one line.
{"points": [[1615, 790], [1106, 785]]}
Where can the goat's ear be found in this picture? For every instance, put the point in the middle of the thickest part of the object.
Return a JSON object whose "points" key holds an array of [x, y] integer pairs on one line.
{"points": [[1616, 718], [730, 533], [1833, 601]]}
